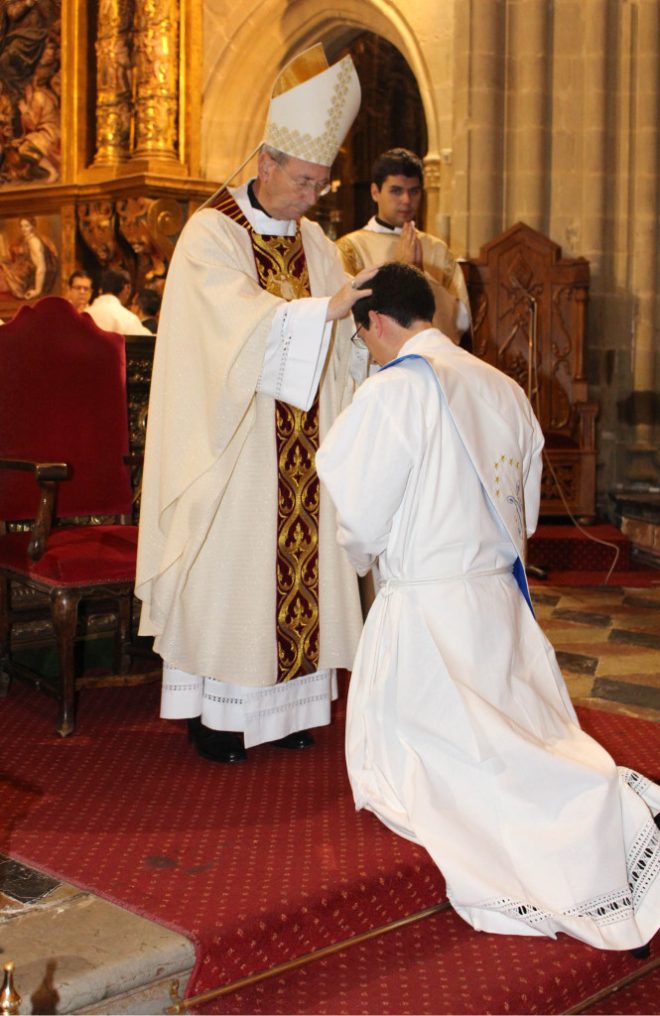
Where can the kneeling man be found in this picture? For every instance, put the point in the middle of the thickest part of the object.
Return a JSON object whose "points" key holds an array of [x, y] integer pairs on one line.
{"points": [[461, 735]]}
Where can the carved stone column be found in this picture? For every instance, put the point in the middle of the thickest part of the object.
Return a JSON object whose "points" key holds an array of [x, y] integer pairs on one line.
{"points": [[642, 457], [526, 178], [598, 70], [479, 117], [156, 41], [113, 82], [432, 188]]}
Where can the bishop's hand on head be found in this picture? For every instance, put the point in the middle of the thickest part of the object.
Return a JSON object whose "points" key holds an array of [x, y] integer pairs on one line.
{"points": [[345, 298]]}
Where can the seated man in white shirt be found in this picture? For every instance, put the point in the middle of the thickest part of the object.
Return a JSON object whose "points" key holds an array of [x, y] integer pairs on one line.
{"points": [[109, 309], [397, 179]]}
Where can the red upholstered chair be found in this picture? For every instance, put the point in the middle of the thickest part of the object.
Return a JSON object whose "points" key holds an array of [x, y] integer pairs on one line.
{"points": [[64, 469]]}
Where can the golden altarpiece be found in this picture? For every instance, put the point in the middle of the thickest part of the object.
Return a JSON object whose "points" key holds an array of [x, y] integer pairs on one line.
{"points": [[99, 158], [99, 139]]}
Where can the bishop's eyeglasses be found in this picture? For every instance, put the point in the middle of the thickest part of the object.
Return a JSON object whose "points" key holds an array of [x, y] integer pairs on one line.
{"points": [[305, 183]]}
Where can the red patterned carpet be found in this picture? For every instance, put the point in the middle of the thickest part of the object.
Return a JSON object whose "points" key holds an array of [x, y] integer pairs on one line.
{"points": [[639, 999], [583, 556], [264, 862]]}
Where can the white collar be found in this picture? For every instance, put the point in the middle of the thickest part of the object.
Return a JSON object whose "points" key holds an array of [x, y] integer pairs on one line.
{"points": [[260, 221], [373, 226]]}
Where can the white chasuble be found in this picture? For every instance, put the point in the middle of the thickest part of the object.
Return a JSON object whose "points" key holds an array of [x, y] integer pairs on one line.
{"points": [[460, 733], [207, 559]]}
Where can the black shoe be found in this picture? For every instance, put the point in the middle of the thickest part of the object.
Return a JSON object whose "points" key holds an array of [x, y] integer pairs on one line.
{"points": [[300, 739], [216, 745], [642, 952]]}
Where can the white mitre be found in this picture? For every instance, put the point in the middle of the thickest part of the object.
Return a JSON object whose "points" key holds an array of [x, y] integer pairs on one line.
{"points": [[311, 110], [312, 107]]}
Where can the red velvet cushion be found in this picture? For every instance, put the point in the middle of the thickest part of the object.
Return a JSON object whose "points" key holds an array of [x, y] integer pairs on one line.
{"points": [[76, 555], [63, 399]]}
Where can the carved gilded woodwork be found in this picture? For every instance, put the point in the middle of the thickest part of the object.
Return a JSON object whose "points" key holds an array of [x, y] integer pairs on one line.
{"points": [[30, 87], [129, 78], [114, 88], [150, 227], [97, 227], [156, 42]]}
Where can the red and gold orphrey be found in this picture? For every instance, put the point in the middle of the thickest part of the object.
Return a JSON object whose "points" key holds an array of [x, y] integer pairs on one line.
{"points": [[282, 270]]}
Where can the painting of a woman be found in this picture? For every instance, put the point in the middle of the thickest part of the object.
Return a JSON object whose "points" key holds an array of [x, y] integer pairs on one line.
{"points": [[30, 265]]}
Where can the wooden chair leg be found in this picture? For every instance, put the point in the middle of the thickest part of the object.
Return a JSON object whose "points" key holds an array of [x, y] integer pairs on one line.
{"points": [[64, 614], [123, 636]]}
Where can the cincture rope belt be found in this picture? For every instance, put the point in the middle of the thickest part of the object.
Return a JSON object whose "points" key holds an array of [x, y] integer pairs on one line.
{"points": [[390, 585]]}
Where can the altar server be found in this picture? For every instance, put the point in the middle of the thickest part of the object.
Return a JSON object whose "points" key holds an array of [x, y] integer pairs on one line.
{"points": [[460, 734], [252, 604], [397, 183]]}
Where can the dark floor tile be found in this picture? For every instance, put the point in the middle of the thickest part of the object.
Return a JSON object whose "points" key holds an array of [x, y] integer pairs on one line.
{"points": [[577, 663], [621, 691], [549, 599], [583, 617], [25, 885], [639, 600], [635, 638]]}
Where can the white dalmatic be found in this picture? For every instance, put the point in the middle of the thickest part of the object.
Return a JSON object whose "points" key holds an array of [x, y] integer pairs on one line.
{"points": [[460, 734]]}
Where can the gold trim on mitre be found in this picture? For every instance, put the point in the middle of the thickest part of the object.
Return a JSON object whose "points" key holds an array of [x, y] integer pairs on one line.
{"points": [[310, 120], [306, 65]]}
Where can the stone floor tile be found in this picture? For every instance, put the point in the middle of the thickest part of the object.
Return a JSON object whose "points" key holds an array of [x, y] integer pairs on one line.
{"points": [[560, 634], [650, 640], [623, 691], [585, 617], [545, 599], [579, 685], [577, 663], [616, 663], [642, 598]]}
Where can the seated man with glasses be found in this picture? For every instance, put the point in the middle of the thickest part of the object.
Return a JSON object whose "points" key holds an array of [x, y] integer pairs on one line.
{"points": [[79, 290], [253, 605]]}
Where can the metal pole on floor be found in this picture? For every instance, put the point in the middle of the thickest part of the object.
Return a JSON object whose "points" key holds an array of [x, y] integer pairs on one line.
{"points": [[181, 1005]]}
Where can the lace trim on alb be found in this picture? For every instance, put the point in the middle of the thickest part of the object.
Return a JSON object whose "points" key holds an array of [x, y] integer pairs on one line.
{"points": [[306, 681], [299, 702], [282, 356], [226, 699], [180, 686], [285, 345], [265, 710], [643, 862], [643, 866], [640, 784], [260, 696]]}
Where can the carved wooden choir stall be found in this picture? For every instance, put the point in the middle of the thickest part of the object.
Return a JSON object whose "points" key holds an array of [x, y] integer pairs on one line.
{"points": [[528, 309]]}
